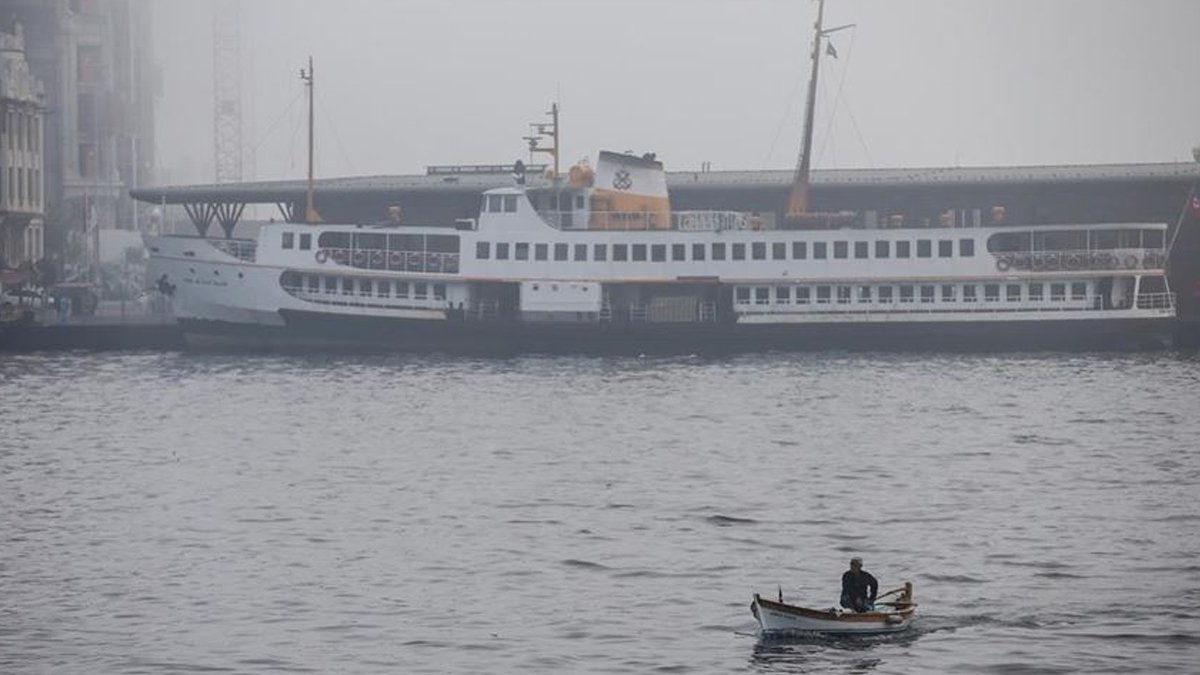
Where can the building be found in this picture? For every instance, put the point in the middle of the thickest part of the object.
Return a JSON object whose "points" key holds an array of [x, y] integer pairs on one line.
{"points": [[22, 173], [101, 82]]}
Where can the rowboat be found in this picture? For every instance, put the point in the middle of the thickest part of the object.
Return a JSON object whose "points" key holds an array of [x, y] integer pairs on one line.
{"points": [[777, 617]]}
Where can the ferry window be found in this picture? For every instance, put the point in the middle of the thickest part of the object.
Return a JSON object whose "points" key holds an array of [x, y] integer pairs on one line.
{"points": [[678, 252], [948, 293], [306, 242], [600, 252], [347, 286], [762, 295], [783, 295], [639, 252], [843, 294], [966, 248], [483, 250], [401, 289], [924, 248], [743, 295], [969, 293], [1012, 292], [288, 239], [436, 243], [1035, 292], [540, 251], [510, 203], [822, 295], [521, 252], [365, 287], [620, 252], [758, 250], [494, 204], [383, 289], [739, 252], [1153, 238], [906, 293], [420, 290], [803, 295], [658, 253], [927, 293], [371, 241], [718, 251], [1079, 290], [697, 251], [841, 249], [885, 294], [861, 249], [991, 292], [560, 251], [819, 250], [799, 250], [883, 248], [580, 252], [331, 284], [334, 240], [945, 248], [864, 294], [1058, 292], [314, 284], [579, 201], [502, 250], [439, 291], [779, 251], [903, 249]]}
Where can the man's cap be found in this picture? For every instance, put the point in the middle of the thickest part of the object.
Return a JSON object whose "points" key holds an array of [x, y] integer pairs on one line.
{"points": [[856, 559]]}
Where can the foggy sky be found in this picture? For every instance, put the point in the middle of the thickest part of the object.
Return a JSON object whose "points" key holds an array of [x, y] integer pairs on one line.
{"points": [[406, 83]]}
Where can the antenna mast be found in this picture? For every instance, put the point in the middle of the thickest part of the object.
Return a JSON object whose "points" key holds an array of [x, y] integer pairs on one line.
{"points": [[227, 91], [310, 214], [540, 130]]}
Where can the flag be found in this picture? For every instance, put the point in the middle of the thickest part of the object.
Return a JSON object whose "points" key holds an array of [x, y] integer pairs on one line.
{"points": [[1194, 204], [830, 50]]}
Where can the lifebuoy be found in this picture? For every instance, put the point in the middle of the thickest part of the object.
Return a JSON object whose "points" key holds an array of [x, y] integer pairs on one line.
{"points": [[339, 256], [414, 262], [359, 257], [1073, 262], [377, 258], [1003, 263], [1131, 261], [433, 263], [1038, 262], [322, 255], [396, 258]]}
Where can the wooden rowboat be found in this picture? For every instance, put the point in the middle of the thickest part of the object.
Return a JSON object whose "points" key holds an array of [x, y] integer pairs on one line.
{"points": [[887, 617]]}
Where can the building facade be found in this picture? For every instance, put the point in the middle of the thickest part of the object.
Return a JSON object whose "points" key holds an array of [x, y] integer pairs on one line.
{"points": [[95, 59], [22, 153]]}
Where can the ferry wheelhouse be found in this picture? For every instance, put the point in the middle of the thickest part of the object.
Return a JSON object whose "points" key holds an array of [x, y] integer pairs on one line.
{"points": [[601, 263]]}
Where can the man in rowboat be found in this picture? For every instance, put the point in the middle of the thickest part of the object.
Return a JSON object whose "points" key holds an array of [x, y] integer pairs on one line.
{"points": [[858, 587]]}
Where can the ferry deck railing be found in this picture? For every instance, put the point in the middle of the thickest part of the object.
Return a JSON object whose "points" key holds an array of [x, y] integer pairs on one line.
{"points": [[391, 261], [1094, 259], [636, 221], [242, 249], [917, 305]]}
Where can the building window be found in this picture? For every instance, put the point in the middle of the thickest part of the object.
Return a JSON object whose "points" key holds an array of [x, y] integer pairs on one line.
{"points": [[658, 253], [289, 240], [883, 248], [639, 253], [991, 292], [841, 250], [697, 252], [903, 249], [580, 252], [1012, 292], [861, 249], [522, 251], [966, 248], [718, 251], [600, 252], [678, 252], [799, 250], [502, 250], [758, 250], [1079, 290], [739, 251], [820, 250], [948, 293], [620, 252], [483, 250], [945, 248], [924, 248], [927, 293]]}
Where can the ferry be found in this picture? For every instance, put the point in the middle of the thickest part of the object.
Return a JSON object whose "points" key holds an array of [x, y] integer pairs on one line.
{"points": [[598, 261]]}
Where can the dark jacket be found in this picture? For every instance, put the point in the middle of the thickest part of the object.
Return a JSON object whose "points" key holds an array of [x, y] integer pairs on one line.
{"points": [[859, 585]]}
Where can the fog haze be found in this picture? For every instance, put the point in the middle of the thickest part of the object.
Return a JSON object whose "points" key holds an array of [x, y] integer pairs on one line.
{"points": [[401, 85]]}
